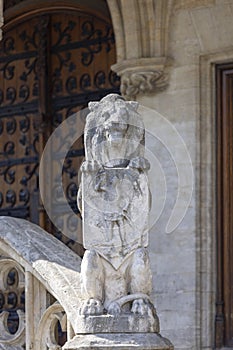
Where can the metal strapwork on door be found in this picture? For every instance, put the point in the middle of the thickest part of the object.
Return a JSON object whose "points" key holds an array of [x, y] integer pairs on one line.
{"points": [[51, 65]]}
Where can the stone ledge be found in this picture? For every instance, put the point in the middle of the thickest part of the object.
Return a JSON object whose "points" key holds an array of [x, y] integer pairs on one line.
{"points": [[126, 323], [126, 341]]}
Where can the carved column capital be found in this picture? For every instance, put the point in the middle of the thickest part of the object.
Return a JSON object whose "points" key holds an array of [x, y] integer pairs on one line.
{"points": [[143, 75], [1, 17], [141, 31]]}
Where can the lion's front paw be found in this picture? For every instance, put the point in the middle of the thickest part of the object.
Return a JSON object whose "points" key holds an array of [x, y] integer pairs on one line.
{"points": [[139, 163], [142, 307], [92, 307], [114, 308]]}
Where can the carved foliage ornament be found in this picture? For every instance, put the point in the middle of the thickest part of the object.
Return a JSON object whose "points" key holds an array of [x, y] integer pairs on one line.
{"points": [[140, 76], [134, 83], [141, 29]]}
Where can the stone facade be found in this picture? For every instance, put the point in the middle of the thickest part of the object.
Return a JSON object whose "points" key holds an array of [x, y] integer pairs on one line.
{"points": [[184, 262]]}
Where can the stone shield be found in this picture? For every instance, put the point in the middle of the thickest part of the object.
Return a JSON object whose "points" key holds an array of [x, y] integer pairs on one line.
{"points": [[116, 208]]}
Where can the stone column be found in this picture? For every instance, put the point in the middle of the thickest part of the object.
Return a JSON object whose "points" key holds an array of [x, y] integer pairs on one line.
{"points": [[141, 30]]}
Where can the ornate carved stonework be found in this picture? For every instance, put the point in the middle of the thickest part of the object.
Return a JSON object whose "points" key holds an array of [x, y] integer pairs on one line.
{"points": [[135, 83], [115, 207], [114, 199], [141, 76], [12, 310]]}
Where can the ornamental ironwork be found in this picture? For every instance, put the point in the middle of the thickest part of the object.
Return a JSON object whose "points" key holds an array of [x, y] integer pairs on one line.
{"points": [[51, 66]]}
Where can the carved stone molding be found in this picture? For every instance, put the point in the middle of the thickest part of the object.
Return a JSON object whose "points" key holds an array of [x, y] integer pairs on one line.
{"points": [[49, 260], [1, 17], [141, 30], [141, 76]]}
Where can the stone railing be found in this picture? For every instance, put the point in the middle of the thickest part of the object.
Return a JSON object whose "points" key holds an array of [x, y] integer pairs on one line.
{"points": [[39, 288], [41, 299]]}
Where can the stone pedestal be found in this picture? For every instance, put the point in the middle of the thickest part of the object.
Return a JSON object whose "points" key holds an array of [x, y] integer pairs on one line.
{"points": [[123, 341], [123, 323], [123, 331]]}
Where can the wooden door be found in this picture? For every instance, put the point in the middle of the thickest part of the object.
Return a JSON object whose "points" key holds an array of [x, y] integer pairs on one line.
{"points": [[54, 57], [224, 131]]}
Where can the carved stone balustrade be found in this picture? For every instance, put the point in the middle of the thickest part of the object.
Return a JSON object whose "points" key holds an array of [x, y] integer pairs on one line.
{"points": [[33, 260], [12, 316]]}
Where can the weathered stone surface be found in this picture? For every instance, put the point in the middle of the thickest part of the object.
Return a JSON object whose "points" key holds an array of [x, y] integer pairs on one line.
{"points": [[141, 76], [114, 200], [125, 323], [7, 339], [184, 261], [143, 341], [49, 260], [186, 4], [115, 215]]}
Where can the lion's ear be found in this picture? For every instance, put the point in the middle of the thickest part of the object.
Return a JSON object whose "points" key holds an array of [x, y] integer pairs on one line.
{"points": [[133, 105], [93, 105]]}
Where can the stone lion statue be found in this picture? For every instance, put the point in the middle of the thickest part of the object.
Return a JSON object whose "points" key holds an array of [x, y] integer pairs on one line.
{"points": [[114, 201]]}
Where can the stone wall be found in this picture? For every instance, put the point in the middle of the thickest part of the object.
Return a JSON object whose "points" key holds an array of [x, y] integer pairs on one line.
{"points": [[184, 261]]}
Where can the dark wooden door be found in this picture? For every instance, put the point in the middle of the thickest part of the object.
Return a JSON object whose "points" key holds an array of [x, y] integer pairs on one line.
{"points": [[224, 132], [54, 57]]}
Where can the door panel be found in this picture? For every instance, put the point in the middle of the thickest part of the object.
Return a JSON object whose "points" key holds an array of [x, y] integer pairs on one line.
{"points": [[53, 60], [52, 63], [20, 139]]}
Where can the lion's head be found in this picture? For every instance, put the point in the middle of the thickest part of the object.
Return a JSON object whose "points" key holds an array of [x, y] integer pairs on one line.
{"points": [[114, 132]]}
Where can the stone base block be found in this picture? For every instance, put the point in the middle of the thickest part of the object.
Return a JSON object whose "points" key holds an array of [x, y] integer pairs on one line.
{"points": [[125, 341], [123, 323]]}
